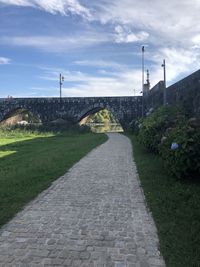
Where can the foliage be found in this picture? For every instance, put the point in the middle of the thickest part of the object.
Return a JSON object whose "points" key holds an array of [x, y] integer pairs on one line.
{"points": [[185, 160], [53, 128], [29, 162], [153, 127], [177, 139], [175, 205], [103, 116], [133, 126]]}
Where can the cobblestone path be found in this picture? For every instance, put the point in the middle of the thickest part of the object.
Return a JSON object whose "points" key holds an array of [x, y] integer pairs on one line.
{"points": [[93, 216]]}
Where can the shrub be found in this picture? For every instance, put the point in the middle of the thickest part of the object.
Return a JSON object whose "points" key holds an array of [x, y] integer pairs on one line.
{"points": [[132, 127], [49, 128], [176, 138], [185, 160], [153, 127]]}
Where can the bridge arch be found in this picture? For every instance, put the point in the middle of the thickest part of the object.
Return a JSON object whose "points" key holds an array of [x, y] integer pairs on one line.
{"points": [[12, 115], [90, 110], [100, 120]]}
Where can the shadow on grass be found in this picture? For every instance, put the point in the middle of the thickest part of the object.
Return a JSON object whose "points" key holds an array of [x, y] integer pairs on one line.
{"points": [[36, 163]]}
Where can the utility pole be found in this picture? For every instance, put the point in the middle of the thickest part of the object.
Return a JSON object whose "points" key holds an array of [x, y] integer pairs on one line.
{"points": [[148, 80], [61, 83], [164, 89], [143, 81]]}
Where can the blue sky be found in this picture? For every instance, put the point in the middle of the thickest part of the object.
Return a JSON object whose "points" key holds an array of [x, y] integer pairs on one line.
{"points": [[96, 45]]}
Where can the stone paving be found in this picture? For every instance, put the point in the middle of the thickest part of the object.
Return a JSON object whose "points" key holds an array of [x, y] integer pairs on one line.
{"points": [[93, 216]]}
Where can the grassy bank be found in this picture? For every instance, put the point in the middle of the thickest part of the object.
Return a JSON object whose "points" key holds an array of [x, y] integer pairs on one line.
{"points": [[29, 162], [175, 206]]}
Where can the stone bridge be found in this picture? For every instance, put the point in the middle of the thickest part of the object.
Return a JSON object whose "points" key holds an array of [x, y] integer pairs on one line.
{"points": [[125, 109]]}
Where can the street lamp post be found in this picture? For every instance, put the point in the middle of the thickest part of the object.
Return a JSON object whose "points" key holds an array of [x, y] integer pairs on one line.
{"points": [[143, 81], [61, 83], [164, 89]]}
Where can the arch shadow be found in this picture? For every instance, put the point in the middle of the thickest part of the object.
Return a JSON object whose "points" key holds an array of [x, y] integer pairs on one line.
{"points": [[92, 110], [20, 113]]}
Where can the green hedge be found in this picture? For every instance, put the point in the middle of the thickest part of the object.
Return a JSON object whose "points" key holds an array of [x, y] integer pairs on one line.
{"points": [[185, 160], [153, 127], [168, 127]]}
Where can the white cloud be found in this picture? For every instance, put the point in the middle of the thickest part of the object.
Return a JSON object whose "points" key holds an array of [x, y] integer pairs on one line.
{"points": [[4, 60], [178, 62], [52, 74], [165, 18], [169, 27], [123, 34], [196, 41], [100, 64], [119, 79], [105, 86], [16, 2], [56, 43], [80, 84], [54, 6]]}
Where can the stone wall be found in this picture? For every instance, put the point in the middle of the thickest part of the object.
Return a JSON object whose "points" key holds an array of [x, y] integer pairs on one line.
{"points": [[154, 98], [185, 92]]}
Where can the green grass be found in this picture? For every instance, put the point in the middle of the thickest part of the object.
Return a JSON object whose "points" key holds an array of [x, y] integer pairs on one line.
{"points": [[175, 205], [29, 162]]}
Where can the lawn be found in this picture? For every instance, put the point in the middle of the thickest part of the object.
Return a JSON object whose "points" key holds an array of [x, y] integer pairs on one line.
{"points": [[29, 162], [175, 205]]}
